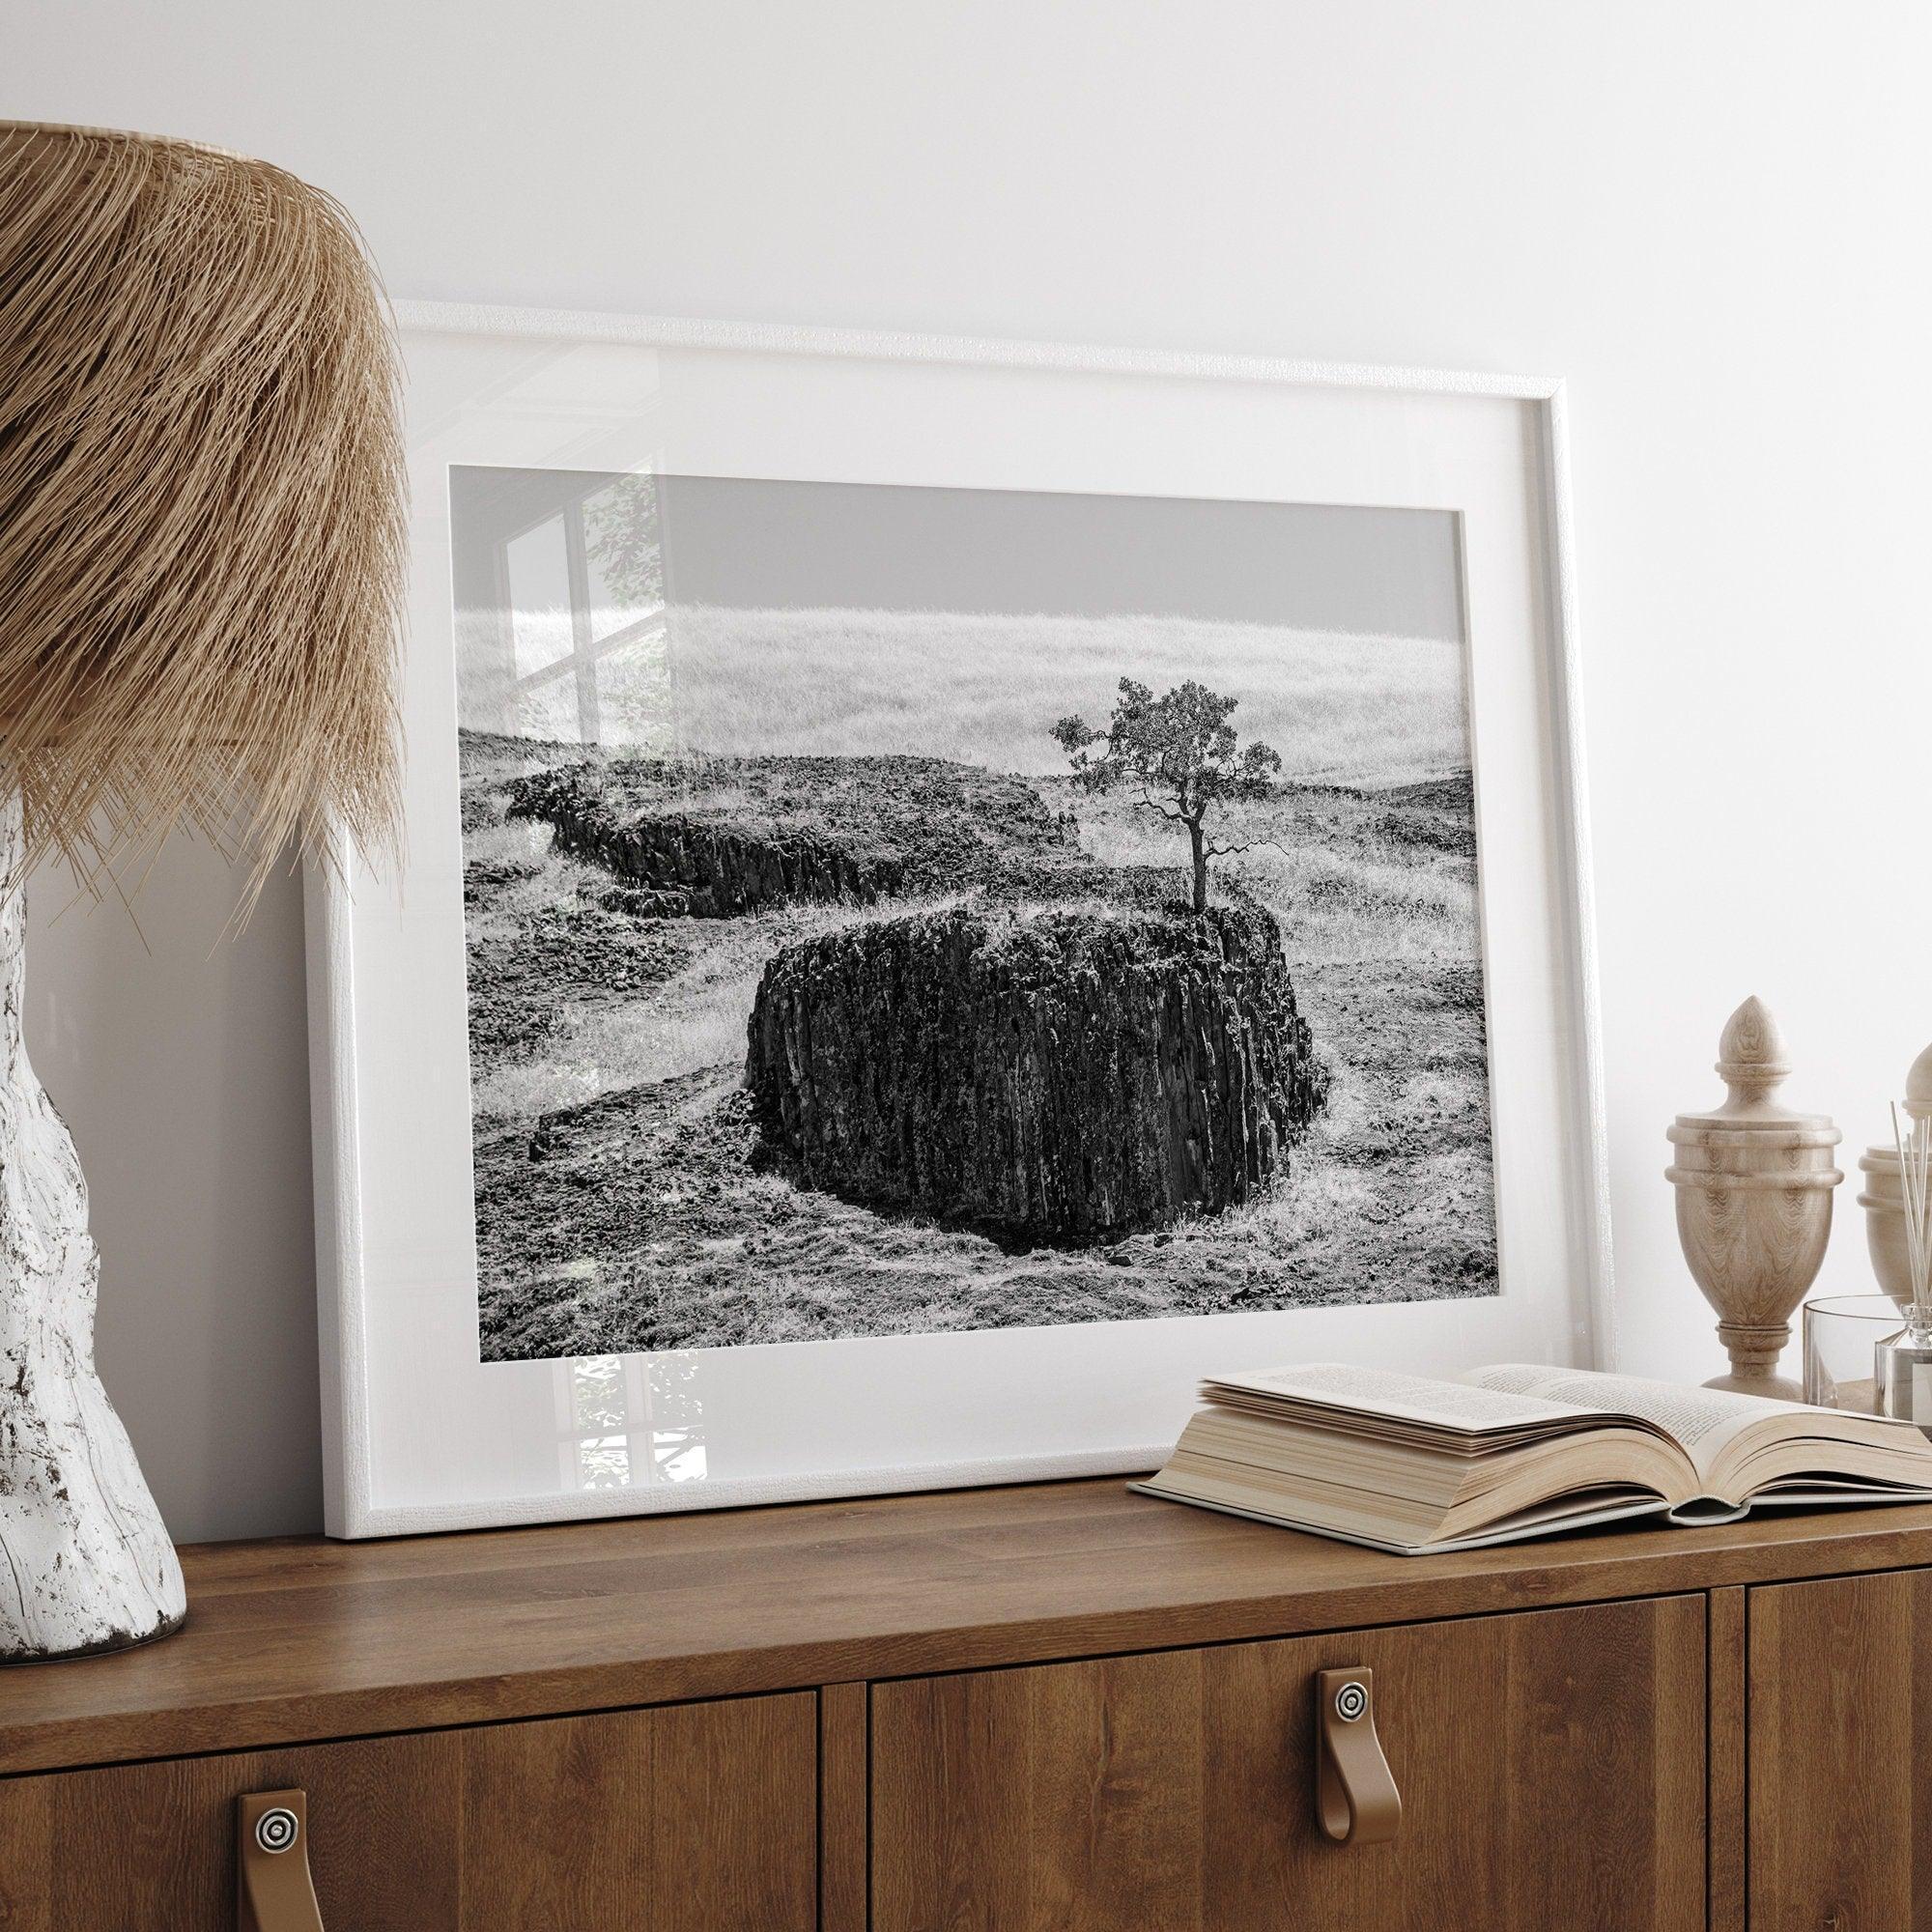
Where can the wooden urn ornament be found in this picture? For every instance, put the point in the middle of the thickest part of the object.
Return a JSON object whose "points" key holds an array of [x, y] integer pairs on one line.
{"points": [[1754, 1183]]}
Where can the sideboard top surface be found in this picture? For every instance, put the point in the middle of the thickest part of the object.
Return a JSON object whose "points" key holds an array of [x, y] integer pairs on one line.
{"points": [[302, 1639]]}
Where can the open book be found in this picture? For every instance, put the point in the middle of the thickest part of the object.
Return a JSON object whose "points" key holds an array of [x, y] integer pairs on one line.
{"points": [[1406, 1464]]}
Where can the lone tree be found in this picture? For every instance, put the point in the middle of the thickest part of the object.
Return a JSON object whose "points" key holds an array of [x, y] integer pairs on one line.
{"points": [[1178, 752]]}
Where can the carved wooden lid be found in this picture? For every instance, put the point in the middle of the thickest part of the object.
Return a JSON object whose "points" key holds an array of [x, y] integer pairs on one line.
{"points": [[1882, 1156], [1752, 1062], [1919, 1087]]}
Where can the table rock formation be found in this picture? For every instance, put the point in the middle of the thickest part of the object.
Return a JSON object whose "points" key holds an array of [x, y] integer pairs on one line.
{"points": [[729, 836], [1049, 1076]]}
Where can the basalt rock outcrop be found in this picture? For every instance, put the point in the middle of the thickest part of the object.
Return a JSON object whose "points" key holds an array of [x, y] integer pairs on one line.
{"points": [[713, 870], [729, 836], [1049, 1077]]}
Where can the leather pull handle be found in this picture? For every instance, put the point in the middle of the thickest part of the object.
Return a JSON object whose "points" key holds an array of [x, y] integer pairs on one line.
{"points": [[274, 1890], [1356, 1798]]}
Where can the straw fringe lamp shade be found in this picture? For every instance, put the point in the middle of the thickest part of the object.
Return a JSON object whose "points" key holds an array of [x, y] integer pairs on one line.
{"points": [[200, 553]]}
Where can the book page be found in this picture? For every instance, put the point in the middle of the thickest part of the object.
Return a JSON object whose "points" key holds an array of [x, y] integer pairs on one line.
{"points": [[1458, 1406], [1703, 1421], [1577, 1512]]}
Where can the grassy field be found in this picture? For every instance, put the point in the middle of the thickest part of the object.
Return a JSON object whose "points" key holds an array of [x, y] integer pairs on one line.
{"points": [[618, 1204], [983, 689]]}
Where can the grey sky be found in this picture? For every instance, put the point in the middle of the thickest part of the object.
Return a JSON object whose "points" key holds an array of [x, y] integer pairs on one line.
{"points": [[752, 545], [852, 546], [853, 619]]}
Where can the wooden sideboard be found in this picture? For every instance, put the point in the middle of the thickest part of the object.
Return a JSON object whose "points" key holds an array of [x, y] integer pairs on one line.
{"points": [[999, 1711]]}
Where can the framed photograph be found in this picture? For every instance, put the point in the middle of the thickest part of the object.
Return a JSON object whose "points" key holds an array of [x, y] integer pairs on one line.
{"points": [[953, 888]]}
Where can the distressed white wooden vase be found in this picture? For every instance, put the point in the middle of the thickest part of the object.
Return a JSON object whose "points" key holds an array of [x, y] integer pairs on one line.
{"points": [[85, 1562]]}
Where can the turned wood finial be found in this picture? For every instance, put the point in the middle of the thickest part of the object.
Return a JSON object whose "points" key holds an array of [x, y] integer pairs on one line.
{"points": [[1752, 1062], [1919, 1087]]}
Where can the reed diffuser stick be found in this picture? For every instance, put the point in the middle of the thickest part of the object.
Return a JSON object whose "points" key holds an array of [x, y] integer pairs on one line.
{"points": [[1915, 1183]]}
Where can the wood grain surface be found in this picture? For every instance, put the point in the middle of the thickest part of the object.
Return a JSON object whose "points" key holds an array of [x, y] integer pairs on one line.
{"points": [[1550, 1765], [1841, 1686], [1725, 1783], [699, 1818], [300, 1640], [844, 1802]]}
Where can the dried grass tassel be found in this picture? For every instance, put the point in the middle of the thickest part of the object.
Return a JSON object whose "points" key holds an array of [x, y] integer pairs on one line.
{"points": [[202, 519]]}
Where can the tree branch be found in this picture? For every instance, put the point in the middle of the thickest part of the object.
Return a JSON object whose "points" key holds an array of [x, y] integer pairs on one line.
{"points": [[1153, 804], [1215, 851]]}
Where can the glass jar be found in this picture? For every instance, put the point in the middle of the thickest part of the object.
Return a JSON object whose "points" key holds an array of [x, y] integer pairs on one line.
{"points": [[1841, 1337]]}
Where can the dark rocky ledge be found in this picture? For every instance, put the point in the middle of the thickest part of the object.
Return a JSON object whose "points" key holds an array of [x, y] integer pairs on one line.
{"points": [[1057, 1077], [728, 835]]}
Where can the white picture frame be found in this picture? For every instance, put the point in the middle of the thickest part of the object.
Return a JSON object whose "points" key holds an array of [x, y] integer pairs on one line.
{"points": [[419, 1434]]}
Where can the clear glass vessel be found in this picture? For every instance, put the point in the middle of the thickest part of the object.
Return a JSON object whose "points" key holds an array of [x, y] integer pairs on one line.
{"points": [[1842, 1336]]}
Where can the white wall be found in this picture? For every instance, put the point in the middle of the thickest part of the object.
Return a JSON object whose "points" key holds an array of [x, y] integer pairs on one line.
{"points": [[1710, 216]]}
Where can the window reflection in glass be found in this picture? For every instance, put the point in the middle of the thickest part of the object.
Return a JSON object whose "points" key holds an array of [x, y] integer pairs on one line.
{"points": [[561, 622], [615, 1403], [536, 566]]}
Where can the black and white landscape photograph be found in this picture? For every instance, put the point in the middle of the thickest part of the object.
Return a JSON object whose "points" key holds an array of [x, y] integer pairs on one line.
{"points": [[896, 910]]}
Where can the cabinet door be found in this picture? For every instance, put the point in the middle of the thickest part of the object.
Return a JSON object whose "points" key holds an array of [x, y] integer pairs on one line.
{"points": [[694, 1818], [1840, 1736], [1550, 1765]]}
